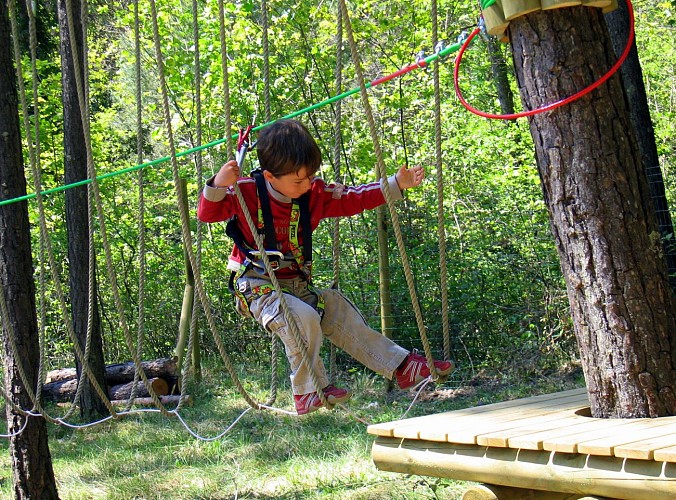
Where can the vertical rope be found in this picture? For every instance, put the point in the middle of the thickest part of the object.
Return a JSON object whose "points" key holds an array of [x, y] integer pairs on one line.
{"points": [[226, 80], [266, 60], [192, 337], [386, 190], [441, 228], [32, 28], [274, 341], [337, 140], [140, 217], [229, 154]]}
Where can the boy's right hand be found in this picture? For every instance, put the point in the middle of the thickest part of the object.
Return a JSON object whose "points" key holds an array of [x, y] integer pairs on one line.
{"points": [[227, 175]]}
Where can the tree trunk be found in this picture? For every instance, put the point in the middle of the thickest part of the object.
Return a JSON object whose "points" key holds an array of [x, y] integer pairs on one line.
{"points": [[33, 475], [384, 281], [601, 216], [632, 76], [499, 70], [77, 219]]}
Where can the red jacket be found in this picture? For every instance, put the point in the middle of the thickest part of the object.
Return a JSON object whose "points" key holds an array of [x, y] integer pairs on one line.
{"points": [[333, 200]]}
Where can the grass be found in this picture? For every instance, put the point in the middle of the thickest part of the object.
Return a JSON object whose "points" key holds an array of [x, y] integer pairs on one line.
{"points": [[266, 455]]}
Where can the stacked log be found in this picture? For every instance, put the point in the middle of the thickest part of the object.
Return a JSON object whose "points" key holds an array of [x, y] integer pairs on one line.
{"points": [[162, 374]]}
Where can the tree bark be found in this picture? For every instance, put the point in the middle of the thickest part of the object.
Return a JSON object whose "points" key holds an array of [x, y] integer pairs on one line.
{"points": [[601, 216], [632, 76], [32, 471], [77, 219]]}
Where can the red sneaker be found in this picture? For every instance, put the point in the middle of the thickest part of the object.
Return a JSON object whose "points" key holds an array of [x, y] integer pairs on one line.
{"points": [[334, 395], [414, 370], [307, 403]]}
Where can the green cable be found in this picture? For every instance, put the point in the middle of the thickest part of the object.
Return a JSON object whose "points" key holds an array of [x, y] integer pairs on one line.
{"points": [[486, 3], [438, 55]]}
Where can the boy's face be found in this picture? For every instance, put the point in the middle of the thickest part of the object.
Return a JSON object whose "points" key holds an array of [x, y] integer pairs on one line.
{"points": [[293, 185]]}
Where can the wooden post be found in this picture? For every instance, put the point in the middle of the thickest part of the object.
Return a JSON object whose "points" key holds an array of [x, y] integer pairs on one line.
{"points": [[597, 3], [516, 8], [495, 19], [495, 492], [188, 300], [559, 4], [384, 279]]}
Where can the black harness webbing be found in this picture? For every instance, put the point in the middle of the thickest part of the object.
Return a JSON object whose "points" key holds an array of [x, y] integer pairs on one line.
{"points": [[266, 228]]}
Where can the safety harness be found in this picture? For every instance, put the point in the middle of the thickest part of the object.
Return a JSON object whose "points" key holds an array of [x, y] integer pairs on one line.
{"points": [[300, 258]]}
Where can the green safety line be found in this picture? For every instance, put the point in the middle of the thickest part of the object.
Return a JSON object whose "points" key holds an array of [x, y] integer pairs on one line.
{"points": [[424, 62]]}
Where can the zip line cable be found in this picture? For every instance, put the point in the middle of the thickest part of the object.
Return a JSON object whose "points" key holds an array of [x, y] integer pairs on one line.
{"points": [[420, 63]]}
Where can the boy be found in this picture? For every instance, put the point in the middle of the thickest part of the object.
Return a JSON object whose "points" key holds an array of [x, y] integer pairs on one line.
{"points": [[293, 200]]}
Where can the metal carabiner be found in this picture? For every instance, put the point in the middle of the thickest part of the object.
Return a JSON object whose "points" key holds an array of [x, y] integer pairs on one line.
{"points": [[243, 146], [420, 59]]}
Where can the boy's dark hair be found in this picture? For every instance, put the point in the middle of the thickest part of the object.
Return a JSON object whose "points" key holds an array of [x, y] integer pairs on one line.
{"points": [[285, 147]]}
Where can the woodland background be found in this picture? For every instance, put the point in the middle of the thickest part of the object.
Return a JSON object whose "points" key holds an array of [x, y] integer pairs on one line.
{"points": [[507, 297]]}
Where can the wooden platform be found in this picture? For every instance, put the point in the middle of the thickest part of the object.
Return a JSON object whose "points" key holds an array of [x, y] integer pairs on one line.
{"points": [[543, 443]]}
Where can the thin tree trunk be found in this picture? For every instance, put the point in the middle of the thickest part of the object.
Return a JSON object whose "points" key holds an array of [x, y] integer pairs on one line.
{"points": [[499, 70], [601, 215], [77, 220], [32, 470], [386, 325]]}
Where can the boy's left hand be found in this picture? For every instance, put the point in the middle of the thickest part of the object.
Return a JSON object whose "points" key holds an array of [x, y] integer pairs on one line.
{"points": [[410, 177]]}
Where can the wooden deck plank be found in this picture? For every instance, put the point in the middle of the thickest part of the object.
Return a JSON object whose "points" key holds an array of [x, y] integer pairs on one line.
{"points": [[646, 449], [505, 438], [666, 454], [464, 429], [604, 446], [549, 444], [472, 433], [458, 426], [387, 428], [536, 440], [554, 422], [605, 428]]}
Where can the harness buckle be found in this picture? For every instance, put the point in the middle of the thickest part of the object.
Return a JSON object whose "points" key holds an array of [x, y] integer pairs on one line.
{"points": [[276, 255]]}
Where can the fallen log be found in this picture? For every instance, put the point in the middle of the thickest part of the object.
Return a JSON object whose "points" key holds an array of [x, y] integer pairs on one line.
{"points": [[165, 400], [123, 391], [61, 391], [121, 373], [124, 372], [61, 375], [64, 391]]}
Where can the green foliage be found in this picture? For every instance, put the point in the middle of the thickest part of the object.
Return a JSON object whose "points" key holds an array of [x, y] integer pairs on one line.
{"points": [[505, 288]]}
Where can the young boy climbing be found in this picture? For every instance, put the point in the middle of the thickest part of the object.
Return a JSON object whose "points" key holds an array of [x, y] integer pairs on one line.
{"points": [[286, 194]]}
